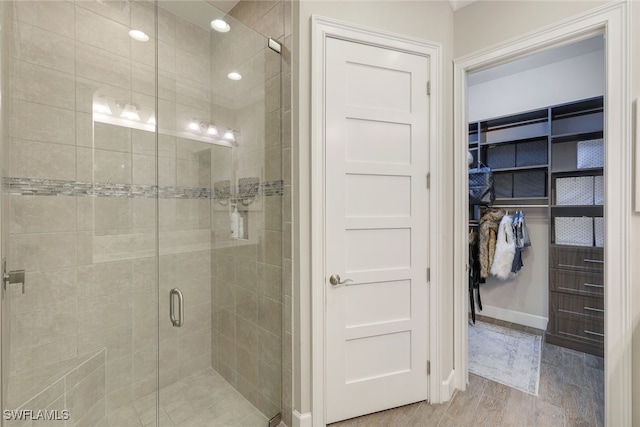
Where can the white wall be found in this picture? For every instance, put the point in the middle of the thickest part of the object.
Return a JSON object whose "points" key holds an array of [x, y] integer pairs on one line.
{"points": [[429, 20], [635, 232], [575, 78], [523, 299], [461, 35], [486, 23]]}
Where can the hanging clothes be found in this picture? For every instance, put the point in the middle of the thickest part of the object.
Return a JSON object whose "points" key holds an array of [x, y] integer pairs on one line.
{"points": [[517, 258], [521, 238], [488, 230], [521, 233], [474, 274], [505, 249]]}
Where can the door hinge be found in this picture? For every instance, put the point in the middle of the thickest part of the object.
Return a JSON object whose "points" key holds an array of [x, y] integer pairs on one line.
{"points": [[429, 87], [428, 180], [428, 367], [429, 274], [274, 45], [275, 421]]}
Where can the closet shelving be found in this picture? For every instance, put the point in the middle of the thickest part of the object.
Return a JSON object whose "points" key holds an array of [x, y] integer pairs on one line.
{"points": [[576, 266], [536, 160], [516, 150]]}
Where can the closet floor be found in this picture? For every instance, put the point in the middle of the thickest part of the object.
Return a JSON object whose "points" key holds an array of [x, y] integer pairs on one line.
{"points": [[571, 393]]}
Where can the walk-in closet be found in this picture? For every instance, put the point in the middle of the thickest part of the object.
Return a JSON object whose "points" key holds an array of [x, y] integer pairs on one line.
{"points": [[536, 243]]}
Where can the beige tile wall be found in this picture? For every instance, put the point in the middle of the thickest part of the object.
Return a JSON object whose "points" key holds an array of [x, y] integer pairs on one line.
{"points": [[79, 389]]}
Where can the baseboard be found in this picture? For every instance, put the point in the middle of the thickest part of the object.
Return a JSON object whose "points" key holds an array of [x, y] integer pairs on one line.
{"points": [[511, 316], [301, 420], [448, 387]]}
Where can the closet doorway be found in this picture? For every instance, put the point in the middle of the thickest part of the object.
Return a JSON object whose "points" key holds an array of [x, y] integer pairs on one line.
{"points": [[609, 19], [536, 285]]}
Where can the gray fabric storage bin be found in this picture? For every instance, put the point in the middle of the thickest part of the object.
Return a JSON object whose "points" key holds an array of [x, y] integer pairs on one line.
{"points": [[532, 153], [598, 191], [598, 228], [576, 231], [574, 190], [501, 156], [530, 184], [503, 184], [590, 154]]}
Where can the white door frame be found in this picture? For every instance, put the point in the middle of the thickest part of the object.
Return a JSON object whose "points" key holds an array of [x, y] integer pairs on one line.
{"points": [[322, 28], [613, 20]]}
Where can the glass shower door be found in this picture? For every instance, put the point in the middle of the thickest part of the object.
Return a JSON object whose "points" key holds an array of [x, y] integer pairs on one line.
{"points": [[142, 187], [80, 343], [219, 219], [80, 335]]}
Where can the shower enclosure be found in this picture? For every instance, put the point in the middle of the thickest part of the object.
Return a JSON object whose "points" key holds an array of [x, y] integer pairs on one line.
{"points": [[141, 214]]}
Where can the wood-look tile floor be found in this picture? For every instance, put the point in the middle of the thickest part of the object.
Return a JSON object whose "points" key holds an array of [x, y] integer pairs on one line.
{"points": [[571, 393]]}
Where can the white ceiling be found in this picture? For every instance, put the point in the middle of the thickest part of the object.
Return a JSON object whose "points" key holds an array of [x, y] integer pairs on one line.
{"points": [[227, 5], [224, 5], [185, 8], [200, 13], [459, 4]]}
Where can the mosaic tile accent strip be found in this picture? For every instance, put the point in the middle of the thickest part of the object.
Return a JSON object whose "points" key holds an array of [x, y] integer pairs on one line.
{"points": [[272, 188], [184, 193], [51, 187]]}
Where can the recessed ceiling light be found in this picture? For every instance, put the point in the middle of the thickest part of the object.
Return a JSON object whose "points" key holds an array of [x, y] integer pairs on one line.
{"points": [[234, 76], [193, 125], [141, 36], [220, 26]]}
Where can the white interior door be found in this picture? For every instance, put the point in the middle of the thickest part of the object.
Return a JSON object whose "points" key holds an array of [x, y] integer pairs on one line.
{"points": [[377, 228]]}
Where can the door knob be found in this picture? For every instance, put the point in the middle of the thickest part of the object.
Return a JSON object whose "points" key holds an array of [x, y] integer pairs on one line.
{"points": [[335, 280]]}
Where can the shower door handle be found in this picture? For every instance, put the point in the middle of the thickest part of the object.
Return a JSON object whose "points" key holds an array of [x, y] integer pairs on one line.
{"points": [[175, 292], [11, 277]]}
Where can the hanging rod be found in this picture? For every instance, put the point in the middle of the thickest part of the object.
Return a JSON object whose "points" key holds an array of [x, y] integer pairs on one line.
{"points": [[520, 206]]}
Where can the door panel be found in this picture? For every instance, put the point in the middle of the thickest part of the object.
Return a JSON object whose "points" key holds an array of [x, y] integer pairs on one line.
{"points": [[377, 249], [376, 209], [377, 196], [360, 366], [373, 141], [387, 302], [359, 77]]}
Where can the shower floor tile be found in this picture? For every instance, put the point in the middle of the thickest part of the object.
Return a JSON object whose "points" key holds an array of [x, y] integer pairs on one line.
{"points": [[203, 399]]}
